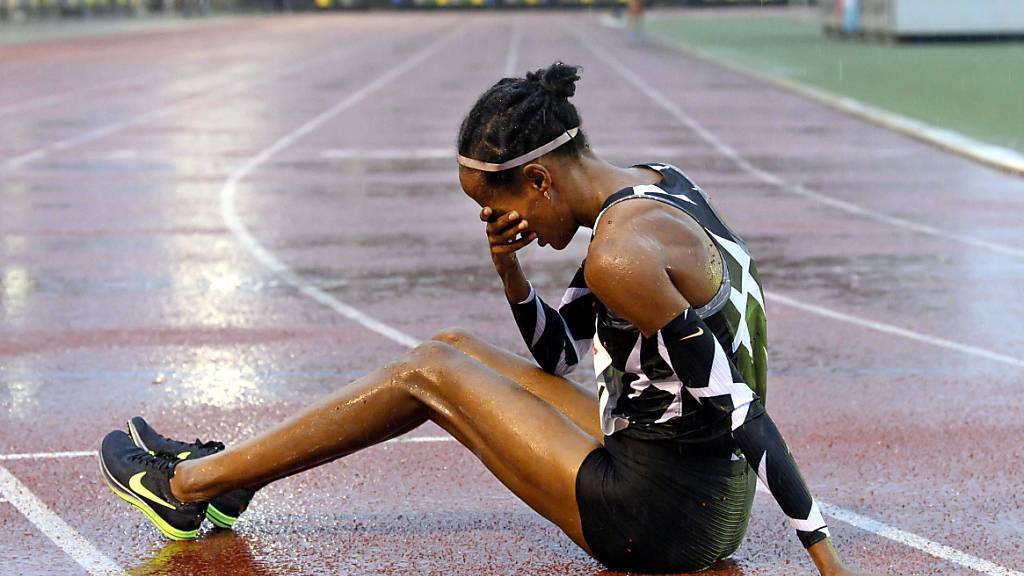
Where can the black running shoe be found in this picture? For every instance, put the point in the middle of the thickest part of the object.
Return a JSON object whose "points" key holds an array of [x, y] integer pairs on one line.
{"points": [[144, 481], [223, 510]]}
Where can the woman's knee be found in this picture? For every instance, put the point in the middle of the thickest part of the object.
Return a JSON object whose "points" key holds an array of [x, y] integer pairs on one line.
{"points": [[427, 364], [456, 337]]}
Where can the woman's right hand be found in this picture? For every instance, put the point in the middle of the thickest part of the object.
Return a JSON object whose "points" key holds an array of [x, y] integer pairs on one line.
{"points": [[506, 235]]}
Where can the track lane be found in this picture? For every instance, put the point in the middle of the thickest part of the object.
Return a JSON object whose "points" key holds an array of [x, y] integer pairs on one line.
{"points": [[29, 138]]}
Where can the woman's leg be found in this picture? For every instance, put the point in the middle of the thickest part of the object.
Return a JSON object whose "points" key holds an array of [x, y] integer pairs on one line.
{"points": [[530, 446], [576, 403]]}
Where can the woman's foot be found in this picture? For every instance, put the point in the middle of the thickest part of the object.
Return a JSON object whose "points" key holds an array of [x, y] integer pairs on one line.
{"points": [[144, 481], [224, 510]]}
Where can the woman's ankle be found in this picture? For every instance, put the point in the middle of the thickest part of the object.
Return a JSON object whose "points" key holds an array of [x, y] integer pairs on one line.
{"points": [[183, 487]]}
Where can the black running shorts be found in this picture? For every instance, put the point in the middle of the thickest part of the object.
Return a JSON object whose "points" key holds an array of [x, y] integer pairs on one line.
{"points": [[652, 506]]}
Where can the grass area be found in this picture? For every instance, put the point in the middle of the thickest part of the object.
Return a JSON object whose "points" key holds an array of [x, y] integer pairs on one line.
{"points": [[976, 89]]}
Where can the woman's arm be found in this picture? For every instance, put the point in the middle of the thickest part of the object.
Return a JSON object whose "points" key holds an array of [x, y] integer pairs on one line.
{"points": [[629, 275], [504, 234], [558, 339]]}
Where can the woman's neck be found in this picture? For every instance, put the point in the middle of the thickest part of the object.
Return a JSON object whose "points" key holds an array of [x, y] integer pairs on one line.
{"points": [[594, 180]]}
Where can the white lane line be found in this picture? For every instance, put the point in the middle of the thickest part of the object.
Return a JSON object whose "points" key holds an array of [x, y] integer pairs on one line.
{"points": [[229, 191], [843, 515], [68, 94], [512, 60], [421, 439], [870, 525], [774, 179], [52, 99], [912, 540], [992, 155], [52, 525], [424, 153], [56, 529], [234, 223], [47, 455], [448, 152], [92, 453], [222, 88], [782, 184], [34, 509], [896, 330], [925, 545]]}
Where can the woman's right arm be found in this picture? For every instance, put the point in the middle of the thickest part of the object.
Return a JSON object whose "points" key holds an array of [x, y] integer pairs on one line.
{"points": [[557, 339], [505, 236]]}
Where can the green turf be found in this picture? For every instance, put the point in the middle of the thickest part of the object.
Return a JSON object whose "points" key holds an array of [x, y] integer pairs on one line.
{"points": [[976, 89]]}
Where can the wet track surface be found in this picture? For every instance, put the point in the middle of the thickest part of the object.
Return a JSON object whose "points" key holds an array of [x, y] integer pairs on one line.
{"points": [[125, 292]]}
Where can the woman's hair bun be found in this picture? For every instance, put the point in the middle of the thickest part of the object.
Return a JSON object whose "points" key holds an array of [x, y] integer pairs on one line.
{"points": [[559, 79]]}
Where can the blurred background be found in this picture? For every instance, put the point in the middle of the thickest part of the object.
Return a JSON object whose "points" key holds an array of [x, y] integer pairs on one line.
{"points": [[920, 59]]}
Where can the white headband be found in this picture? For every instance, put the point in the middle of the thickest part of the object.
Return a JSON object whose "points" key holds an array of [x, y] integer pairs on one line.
{"points": [[489, 167]]}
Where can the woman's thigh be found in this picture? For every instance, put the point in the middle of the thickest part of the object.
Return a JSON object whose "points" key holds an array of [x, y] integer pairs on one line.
{"points": [[529, 445], [576, 403]]}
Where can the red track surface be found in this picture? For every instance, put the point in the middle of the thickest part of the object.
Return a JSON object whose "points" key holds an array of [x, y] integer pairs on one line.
{"points": [[124, 291]]}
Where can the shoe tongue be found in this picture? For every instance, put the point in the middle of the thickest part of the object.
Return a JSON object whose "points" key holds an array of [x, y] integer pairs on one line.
{"points": [[210, 446], [198, 449], [164, 463]]}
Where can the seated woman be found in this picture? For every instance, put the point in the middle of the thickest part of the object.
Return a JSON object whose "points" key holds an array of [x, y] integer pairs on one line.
{"points": [[656, 472]]}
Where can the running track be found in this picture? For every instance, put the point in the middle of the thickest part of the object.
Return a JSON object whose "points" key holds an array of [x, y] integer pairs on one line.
{"points": [[213, 226]]}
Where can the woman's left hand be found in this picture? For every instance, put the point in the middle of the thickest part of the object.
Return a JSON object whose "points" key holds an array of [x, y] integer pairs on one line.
{"points": [[827, 559]]}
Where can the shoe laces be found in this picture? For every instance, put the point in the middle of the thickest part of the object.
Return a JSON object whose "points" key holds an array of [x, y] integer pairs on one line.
{"points": [[163, 463]]}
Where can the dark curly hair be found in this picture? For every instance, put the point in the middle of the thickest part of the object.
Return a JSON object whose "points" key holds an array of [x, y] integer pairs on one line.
{"points": [[517, 115]]}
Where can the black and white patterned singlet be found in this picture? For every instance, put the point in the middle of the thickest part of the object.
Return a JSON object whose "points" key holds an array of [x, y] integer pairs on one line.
{"points": [[689, 391], [640, 394]]}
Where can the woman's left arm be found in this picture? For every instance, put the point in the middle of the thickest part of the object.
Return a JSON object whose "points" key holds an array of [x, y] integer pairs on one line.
{"points": [[619, 273]]}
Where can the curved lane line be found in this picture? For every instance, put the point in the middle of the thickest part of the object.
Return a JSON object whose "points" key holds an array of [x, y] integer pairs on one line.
{"points": [[34, 509], [229, 192]]}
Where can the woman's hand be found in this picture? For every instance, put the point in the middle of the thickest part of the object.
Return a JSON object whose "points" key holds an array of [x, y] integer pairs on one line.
{"points": [[827, 559], [506, 235]]}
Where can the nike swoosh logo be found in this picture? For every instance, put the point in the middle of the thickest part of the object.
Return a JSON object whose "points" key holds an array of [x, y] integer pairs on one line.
{"points": [[699, 331], [135, 483]]}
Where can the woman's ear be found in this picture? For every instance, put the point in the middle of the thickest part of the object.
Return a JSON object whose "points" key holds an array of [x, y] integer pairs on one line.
{"points": [[537, 177]]}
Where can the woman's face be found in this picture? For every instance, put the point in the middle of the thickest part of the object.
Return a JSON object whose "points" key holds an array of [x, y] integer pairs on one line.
{"points": [[533, 197]]}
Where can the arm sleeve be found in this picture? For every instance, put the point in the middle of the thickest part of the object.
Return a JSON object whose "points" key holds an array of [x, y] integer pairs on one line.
{"points": [[701, 364], [558, 339]]}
